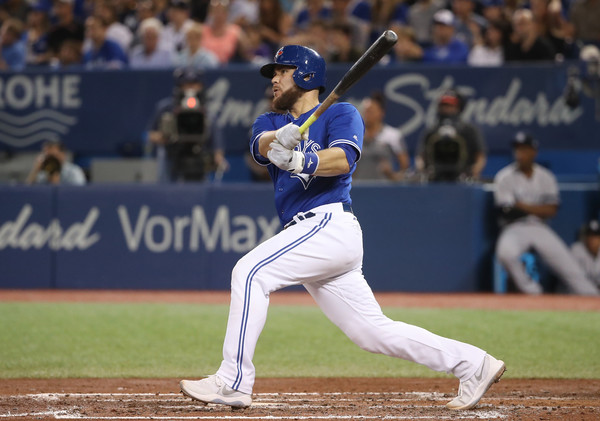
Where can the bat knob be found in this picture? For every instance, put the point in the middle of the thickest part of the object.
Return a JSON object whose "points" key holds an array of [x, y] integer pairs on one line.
{"points": [[390, 36]]}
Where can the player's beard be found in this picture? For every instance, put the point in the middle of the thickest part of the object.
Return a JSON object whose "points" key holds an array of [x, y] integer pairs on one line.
{"points": [[287, 99]]}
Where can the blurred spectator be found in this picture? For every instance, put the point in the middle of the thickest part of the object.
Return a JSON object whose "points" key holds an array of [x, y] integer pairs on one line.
{"points": [[313, 10], [128, 14], [340, 46], [149, 54], [585, 17], [14, 46], [220, 36], [467, 24], [52, 167], [314, 36], [187, 146], [446, 48], [116, 31], [384, 154], [173, 36], [69, 56], [252, 49], [15, 9], [243, 12], [194, 55], [356, 14], [406, 48], [526, 194], [525, 43], [37, 37], [66, 28], [420, 19], [274, 23], [488, 49], [551, 25], [104, 53], [144, 9], [452, 149], [586, 250], [494, 11]]}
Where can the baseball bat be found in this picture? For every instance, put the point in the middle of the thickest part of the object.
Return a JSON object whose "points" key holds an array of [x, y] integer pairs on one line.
{"points": [[376, 51]]}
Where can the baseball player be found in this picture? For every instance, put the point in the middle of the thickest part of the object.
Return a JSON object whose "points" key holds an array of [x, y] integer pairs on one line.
{"points": [[527, 194], [586, 251], [320, 246]]}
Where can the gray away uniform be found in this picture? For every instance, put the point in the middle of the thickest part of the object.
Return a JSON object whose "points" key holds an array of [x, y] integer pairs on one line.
{"points": [[531, 232]]}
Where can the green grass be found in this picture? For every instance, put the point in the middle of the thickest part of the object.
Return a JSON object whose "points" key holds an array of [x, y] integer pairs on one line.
{"points": [[174, 340]]}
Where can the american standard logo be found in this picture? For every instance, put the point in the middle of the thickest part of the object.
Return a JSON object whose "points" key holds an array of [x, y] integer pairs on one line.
{"points": [[143, 230], [24, 235], [29, 107]]}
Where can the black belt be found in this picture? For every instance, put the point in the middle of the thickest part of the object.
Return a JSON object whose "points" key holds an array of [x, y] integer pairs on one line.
{"points": [[345, 206]]}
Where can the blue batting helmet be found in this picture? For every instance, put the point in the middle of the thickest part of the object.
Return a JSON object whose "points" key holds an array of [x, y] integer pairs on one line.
{"points": [[310, 66]]}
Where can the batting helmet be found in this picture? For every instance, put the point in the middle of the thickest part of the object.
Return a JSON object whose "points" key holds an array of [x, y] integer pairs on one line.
{"points": [[310, 66]]}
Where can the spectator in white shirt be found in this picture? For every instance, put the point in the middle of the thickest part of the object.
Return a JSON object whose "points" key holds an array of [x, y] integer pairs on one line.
{"points": [[149, 54], [488, 49]]}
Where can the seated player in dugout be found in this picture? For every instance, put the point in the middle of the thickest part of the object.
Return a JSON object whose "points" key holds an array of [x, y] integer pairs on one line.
{"points": [[320, 246], [527, 195]]}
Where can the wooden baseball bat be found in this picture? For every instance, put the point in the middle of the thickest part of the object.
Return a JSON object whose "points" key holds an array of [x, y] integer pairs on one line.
{"points": [[376, 51]]}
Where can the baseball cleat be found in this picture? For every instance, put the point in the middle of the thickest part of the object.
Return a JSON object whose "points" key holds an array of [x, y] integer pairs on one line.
{"points": [[213, 390], [471, 390]]}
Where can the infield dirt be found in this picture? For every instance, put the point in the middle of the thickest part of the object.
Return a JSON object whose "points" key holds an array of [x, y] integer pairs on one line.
{"points": [[304, 398]]}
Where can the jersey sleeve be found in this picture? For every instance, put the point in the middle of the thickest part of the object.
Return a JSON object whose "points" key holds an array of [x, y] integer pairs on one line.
{"points": [[550, 195], [262, 124], [503, 191], [345, 127]]}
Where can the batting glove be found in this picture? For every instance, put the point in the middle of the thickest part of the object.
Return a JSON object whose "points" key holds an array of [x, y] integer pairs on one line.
{"points": [[286, 159], [289, 136]]}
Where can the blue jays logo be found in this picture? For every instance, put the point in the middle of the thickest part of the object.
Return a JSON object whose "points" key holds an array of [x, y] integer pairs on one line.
{"points": [[306, 146]]}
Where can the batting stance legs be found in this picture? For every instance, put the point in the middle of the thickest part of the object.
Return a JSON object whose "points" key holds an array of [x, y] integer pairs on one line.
{"points": [[312, 253]]}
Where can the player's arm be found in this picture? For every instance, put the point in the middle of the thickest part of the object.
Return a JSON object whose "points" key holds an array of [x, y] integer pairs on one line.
{"points": [[332, 162], [542, 211], [264, 141]]}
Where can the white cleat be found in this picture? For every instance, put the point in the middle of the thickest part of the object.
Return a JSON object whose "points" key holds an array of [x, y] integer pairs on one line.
{"points": [[470, 391], [213, 390]]}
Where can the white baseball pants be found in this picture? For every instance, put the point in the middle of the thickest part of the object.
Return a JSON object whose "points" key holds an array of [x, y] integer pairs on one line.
{"points": [[324, 253]]}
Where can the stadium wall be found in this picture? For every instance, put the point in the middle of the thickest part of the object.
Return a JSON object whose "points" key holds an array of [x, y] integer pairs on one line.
{"points": [[417, 238], [106, 113]]}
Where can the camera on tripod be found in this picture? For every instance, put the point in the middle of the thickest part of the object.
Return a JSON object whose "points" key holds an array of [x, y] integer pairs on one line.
{"points": [[446, 153], [186, 129]]}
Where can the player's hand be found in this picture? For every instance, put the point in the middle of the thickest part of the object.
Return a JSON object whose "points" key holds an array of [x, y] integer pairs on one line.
{"points": [[289, 136], [284, 158]]}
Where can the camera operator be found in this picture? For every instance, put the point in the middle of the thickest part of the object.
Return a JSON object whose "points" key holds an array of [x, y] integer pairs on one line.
{"points": [[451, 150], [52, 167], [180, 133]]}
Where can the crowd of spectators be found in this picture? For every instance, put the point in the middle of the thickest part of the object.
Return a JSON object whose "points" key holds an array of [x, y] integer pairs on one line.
{"points": [[101, 34]]}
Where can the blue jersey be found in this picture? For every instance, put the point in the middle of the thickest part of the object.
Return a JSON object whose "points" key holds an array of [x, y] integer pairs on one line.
{"points": [[339, 126]]}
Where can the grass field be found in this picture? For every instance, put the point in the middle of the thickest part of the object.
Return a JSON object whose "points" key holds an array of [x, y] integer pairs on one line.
{"points": [[48, 340]]}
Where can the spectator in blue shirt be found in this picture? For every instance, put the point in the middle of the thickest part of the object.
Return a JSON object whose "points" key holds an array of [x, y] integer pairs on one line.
{"points": [[13, 44], [446, 48], [104, 54]]}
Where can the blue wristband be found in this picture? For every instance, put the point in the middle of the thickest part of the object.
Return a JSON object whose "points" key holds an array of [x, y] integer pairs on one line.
{"points": [[311, 162]]}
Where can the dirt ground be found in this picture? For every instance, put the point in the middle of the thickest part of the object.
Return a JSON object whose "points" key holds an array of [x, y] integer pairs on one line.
{"points": [[304, 398]]}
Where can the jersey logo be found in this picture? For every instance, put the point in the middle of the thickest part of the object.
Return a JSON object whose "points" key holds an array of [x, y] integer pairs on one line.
{"points": [[306, 146]]}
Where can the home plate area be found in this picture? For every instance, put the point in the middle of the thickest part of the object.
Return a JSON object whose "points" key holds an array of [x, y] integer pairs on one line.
{"points": [[515, 400]]}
